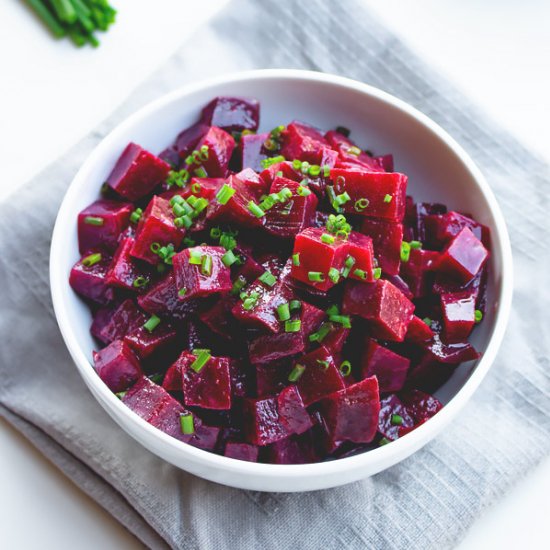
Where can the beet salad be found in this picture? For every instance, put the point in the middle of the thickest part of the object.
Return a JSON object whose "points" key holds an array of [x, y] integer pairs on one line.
{"points": [[276, 297]]}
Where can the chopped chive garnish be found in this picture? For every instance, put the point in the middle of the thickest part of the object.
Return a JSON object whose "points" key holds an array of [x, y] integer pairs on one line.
{"points": [[332, 310], [296, 164], [327, 239], [388, 198], [326, 170], [303, 191], [187, 424], [296, 372], [135, 216], [428, 321], [192, 200], [320, 335], [195, 257], [255, 209], [238, 285], [179, 179], [284, 194], [183, 221], [266, 163], [196, 188], [91, 260], [361, 274], [268, 278], [229, 258], [202, 358], [296, 259], [152, 323], [396, 419], [478, 315], [187, 242], [345, 368], [283, 311], [361, 204], [305, 167], [215, 233], [228, 241], [182, 292], [383, 441], [341, 199], [377, 272], [200, 205], [203, 153], [176, 199], [155, 247], [121, 394], [340, 180], [343, 320], [348, 264], [415, 245], [314, 170], [224, 194], [405, 251], [334, 275], [200, 172], [316, 276], [323, 363], [178, 210], [250, 301], [267, 203], [94, 220], [140, 282], [355, 151], [293, 326], [271, 144], [279, 174], [295, 305], [206, 265]]}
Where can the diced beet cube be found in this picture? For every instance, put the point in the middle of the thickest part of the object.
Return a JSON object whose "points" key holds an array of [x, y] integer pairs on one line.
{"points": [[187, 140], [400, 284], [210, 388], [334, 341], [292, 450], [458, 312], [101, 223], [320, 376], [220, 146], [441, 228], [451, 354], [351, 414], [393, 416], [269, 174], [386, 161], [464, 256], [292, 411], [236, 209], [360, 248], [250, 269], [386, 308], [418, 332], [273, 347], [101, 319], [90, 280], [253, 151], [156, 226], [218, 317], [162, 299], [415, 218], [252, 182], [208, 189], [126, 318], [418, 271], [117, 366], [389, 368], [144, 398], [145, 343], [262, 313], [241, 451], [271, 378], [420, 405], [241, 378], [316, 256], [173, 379], [124, 271], [301, 141], [171, 156], [343, 145], [262, 421], [287, 219], [376, 188], [198, 280], [386, 240], [137, 172], [310, 318], [232, 113]]}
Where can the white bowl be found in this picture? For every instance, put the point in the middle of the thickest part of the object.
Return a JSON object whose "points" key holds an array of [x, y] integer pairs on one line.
{"points": [[439, 170]]}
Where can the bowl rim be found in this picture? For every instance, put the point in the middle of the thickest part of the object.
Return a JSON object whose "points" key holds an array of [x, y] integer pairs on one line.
{"points": [[382, 456]]}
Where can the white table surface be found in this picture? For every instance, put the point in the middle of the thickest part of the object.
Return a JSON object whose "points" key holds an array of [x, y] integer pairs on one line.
{"points": [[52, 94]]}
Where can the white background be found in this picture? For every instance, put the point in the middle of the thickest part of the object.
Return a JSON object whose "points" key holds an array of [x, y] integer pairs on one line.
{"points": [[51, 94]]}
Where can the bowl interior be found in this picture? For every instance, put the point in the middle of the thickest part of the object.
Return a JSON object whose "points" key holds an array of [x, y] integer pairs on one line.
{"points": [[436, 173]]}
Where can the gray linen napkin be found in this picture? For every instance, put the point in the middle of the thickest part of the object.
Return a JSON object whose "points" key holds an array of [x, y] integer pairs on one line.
{"points": [[427, 501]]}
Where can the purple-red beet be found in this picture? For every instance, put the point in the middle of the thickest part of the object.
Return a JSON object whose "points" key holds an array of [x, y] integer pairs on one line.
{"points": [[117, 366]]}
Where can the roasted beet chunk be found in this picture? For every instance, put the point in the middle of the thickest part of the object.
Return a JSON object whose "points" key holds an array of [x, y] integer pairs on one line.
{"points": [[101, 223], [464, 256], [207, 386], [155, 230], [292, 411], [420, 405], [441, 228], [418, 271], [386, 308], [126, 318], [372, 194], [137, 172], [214, 153], [386, 239], [419, 331], [351, 414], [145, 340], [316, 258], [389, 368], [241, 451], [188, 138], [304, 142], [273, 347], [199, 271], [88, 278], [125, 271], [292, 212], [318, 375], [117, 366], [232, 113], [360, 249], [458, 311], [349, 152], [393, 417], [292, 450], [253, 151]]}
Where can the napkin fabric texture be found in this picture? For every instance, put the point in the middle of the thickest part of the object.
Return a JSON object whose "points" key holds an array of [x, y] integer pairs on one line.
{"points": [[427, 501]]}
